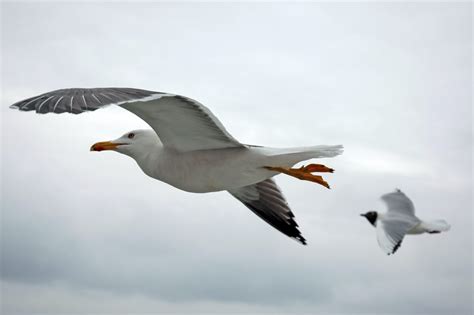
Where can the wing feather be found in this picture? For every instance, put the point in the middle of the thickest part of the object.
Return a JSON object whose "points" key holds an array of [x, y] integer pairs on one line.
{"points": [[395, 224], [180, 122], [391, 231], [267, 201], [398, 202]]}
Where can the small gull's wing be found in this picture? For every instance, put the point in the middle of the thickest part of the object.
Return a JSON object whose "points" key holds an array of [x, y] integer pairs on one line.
{"points": [[398, 202], [267, 201], [391, 230], [180, 122]]}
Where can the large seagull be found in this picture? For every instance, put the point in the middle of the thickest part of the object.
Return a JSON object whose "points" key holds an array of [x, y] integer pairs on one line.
{"points": [[191, 150]]}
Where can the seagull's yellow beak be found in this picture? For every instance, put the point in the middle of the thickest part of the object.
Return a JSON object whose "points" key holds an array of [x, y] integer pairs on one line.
{"points": [[106, 145]]}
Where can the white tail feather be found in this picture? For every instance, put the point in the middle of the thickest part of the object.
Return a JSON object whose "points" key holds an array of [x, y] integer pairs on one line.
{"points": [[436, 226], [291, 156]]}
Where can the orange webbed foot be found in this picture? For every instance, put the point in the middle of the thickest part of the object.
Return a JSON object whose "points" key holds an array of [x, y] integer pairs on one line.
{"points": [[304, 173], [317, 168]]}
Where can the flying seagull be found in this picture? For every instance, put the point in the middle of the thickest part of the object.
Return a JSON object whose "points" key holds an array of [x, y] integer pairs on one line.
{"points": [[190, 149], [400, 220]]}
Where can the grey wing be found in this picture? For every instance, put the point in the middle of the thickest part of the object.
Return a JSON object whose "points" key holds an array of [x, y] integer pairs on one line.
{"points": [[398, 202], [266, 200], [183, 123], [391, 231], [79, 100], [180, 122]]}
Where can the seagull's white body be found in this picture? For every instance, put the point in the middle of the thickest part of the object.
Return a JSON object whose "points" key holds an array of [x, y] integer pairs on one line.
{"points": [[204, 171], [190, 149], [400, 220], [207, 170]]}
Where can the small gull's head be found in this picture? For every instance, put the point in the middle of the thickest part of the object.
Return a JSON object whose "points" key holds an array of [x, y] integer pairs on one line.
{"points": [[131, 143], [371, 216]]}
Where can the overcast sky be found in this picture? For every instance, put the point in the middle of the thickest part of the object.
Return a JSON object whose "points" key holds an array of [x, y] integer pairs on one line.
{"points": [[89, 232]]}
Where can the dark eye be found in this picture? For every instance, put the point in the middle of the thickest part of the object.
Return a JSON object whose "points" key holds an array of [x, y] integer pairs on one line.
{"points": [[131, 135]]}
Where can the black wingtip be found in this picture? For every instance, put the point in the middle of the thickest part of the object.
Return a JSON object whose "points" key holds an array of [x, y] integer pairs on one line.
{"points": [[397, 246], [300, 239]]}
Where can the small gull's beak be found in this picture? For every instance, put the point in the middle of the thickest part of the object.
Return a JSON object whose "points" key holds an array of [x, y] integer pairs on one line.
{"points": [[106, 145], [362, 215]]}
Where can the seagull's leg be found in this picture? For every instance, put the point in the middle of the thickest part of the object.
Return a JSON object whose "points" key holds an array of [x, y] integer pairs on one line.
{"points": [[304, 172]]}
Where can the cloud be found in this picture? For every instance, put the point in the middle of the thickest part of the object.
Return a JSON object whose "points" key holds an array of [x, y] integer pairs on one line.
{"points": [[89, 232]]}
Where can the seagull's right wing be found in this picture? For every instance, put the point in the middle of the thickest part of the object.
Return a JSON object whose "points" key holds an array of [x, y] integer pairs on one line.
{"points": [[398, 202], [391, 231], [267, 201], [180, 122]]}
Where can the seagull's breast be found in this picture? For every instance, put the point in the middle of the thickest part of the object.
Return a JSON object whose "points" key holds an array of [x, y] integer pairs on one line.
{"points": [[208, 170]]}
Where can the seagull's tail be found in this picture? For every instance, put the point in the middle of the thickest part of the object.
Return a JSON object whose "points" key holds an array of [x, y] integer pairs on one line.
{"points": [[290, 156], [436, 226]]}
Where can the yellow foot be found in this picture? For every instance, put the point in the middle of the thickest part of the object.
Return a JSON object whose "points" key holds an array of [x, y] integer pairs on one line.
{"points": [[319, 168], [304, 172]]}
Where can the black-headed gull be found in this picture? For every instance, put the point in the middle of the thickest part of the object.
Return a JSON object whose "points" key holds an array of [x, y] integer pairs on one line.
{"points": [[399, 220]]}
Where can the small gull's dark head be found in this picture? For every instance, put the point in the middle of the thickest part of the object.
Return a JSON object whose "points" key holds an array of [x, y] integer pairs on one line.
{"points": [[371, 216]]}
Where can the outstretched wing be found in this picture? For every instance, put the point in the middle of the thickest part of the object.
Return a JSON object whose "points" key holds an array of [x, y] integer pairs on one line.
{"points": [[180, 122], [398, 202], [266, 200], [391, 231]]}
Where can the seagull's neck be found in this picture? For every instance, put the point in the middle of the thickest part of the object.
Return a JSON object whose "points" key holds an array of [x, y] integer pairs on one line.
{"points": [[148, 159]]}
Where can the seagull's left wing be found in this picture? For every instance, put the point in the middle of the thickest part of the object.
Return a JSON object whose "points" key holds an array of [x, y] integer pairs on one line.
{"points": [[267, 201], [391, 231], [180, 122]]}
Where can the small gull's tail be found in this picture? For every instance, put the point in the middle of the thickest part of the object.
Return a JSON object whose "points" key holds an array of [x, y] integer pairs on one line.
{"points": [[436, 226]]}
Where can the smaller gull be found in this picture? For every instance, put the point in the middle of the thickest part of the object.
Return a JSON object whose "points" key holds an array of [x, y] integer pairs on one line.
{"points": [[400, 220]]}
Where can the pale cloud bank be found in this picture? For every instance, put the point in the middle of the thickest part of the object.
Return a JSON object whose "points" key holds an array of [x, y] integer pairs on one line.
{"points": [[89, 233]]}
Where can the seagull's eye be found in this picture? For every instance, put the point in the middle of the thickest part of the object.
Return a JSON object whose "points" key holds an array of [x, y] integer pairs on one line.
{"points": [[131, 135]]}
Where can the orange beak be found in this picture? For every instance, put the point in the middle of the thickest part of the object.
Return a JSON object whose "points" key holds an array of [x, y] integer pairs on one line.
{"points": [[106, 145]]}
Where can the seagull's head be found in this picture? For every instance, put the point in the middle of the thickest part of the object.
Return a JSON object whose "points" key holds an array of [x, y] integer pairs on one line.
{"points": [[371, 216], [131, 143]]}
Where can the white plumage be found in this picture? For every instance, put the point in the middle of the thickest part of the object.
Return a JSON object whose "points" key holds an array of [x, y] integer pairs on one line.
{"points": [[400, 220], [190, 149]]}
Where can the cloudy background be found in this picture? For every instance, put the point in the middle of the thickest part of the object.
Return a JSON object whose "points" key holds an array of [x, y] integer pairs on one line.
{"points": [[88, 232]]}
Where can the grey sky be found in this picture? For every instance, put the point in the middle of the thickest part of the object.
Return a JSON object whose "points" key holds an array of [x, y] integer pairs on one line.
{"points": [[88, 232]]}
